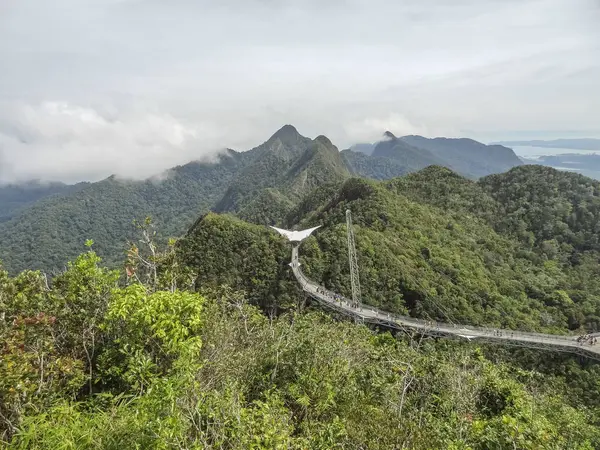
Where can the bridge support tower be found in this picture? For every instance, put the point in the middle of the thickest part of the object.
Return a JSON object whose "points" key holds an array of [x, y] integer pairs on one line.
{"points": [[354, 276]]}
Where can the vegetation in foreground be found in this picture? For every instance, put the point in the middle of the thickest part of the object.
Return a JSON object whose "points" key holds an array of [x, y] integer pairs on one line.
{"points": [[89, 363]]}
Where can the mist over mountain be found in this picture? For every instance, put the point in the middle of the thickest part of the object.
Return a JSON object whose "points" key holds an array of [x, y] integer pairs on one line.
{"points": [[262, 185], [517, 250], [153, 306]]}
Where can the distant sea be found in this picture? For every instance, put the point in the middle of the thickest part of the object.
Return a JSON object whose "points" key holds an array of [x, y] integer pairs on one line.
{"points": [[536, 152], [531, 154]]}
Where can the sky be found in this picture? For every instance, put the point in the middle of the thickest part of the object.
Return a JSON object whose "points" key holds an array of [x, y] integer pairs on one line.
{"points": [[90, 88]]}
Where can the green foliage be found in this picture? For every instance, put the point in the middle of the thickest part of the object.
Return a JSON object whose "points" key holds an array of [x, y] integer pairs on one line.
{"points": [[43, 226], [222, 250], [152, 335], [429, 244], [50, 336], [561, 209], [175, 369], [268, 207], [14, 197], [88, 363], [308, 382]]}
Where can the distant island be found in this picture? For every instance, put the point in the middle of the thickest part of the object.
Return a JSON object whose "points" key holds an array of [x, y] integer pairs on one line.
{"points": [[575, 144]]}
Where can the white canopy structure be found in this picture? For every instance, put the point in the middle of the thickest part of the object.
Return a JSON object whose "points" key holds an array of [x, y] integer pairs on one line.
{"points": [[296, 236]]}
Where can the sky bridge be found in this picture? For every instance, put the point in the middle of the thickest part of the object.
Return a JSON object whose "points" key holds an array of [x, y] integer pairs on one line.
{"points": [[368, 314]]}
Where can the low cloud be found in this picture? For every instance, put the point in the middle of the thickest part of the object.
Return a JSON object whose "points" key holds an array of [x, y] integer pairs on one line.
{"points": [[371, 129], [62, 141]]}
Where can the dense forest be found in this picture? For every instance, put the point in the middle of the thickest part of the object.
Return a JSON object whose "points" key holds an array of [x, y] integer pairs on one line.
{"points": [[49, 232]]}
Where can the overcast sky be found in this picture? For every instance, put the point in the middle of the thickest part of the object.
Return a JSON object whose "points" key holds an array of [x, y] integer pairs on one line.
{"points": [[94, 87]]}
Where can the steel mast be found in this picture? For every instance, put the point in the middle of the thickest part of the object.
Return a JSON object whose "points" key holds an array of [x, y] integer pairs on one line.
{"points": [[354, 277]]}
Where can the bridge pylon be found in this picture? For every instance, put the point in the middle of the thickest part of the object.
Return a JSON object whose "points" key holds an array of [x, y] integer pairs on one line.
{"points": [[353, 261]]}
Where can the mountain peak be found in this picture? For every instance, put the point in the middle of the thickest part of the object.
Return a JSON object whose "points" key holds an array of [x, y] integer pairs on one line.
{"points": [[286, 133], [324, 140], [389, 135]]}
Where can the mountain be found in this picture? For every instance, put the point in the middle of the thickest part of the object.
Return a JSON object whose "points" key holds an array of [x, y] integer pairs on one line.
{"points": [[261, 185], [283, 170], [364, 148], [574, 144], [16, 196], [466, 156], [264, 185], [412, 157], [375, 167], [207, 370], [51, 231], [388, 158], [203, 366], [393, 156], [556, 211]]}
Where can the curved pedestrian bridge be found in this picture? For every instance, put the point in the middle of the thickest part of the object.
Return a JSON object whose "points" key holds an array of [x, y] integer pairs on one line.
{"points": [[574, 344]]}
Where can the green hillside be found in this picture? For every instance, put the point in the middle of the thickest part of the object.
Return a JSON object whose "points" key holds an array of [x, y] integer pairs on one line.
{"points": [[13, 197], [88, 364], [44, 227], [412, 157], [52, 231], [434, 244], [374, 167], [412, 153], [285, 169]]}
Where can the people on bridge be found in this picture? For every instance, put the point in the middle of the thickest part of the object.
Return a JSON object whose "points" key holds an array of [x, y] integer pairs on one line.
{"points": [[587, 339]]}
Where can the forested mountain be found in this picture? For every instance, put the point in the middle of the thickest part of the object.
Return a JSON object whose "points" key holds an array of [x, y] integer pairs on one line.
{"points": [[283, 170], [262, 185], [466, 156], [89, 364], [375, 167], [16, 196], [409, 156], [184, 356], [48, 233]]}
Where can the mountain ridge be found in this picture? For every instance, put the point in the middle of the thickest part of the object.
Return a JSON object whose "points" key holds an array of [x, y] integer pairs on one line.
{"points": [[263, 185]]}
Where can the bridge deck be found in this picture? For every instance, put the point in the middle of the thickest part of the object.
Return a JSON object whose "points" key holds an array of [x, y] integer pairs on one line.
{"points": [[374, 315]]}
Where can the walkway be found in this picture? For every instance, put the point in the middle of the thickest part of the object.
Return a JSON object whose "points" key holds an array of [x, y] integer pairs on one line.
{"points": [[370, 314]]}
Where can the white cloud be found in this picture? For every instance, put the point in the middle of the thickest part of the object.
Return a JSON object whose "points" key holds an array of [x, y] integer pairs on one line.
{"points": [[371, 129], [144, 84], [60, 141]]}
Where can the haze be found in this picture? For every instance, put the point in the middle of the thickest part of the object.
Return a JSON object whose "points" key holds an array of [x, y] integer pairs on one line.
{"points": [[89, 87]]}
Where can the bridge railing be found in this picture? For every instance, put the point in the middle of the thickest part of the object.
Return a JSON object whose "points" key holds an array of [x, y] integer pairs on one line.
{"points": [[335, 298]]}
